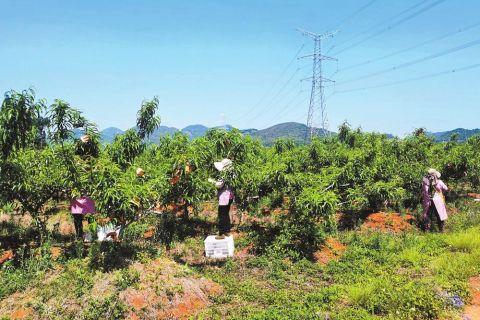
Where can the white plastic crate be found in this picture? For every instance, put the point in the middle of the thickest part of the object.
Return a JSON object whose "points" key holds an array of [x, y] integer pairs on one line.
{"points": [[219, 248]]}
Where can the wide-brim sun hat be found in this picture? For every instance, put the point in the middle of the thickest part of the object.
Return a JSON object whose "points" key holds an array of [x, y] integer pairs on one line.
{"points": [[223, 165], [434, 172]]}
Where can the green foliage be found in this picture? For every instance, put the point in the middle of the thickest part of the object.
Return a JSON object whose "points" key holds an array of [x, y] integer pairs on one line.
{"points": [[21, 122], [110, 307], [33, 178], [125, 148], [63, 120], [126, 278], [303, 229], [107, 256], [26, 270], [147, 121], [467, 241]]}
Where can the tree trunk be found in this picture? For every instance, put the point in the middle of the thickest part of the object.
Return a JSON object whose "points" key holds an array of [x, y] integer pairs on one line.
{"points": [[185, 211], [41, 228]]}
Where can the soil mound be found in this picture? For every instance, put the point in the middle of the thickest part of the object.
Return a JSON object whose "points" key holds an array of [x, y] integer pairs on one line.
{"points": [[472, 311], [331, 250], [167, 291], [388, 222], [164, 290]]}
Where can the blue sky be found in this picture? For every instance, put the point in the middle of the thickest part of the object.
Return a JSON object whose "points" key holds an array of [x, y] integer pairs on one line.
{"points": [[213, 62]]}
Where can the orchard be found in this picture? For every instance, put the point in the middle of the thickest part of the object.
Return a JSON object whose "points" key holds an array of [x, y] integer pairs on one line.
{"points": [[51, 154]]}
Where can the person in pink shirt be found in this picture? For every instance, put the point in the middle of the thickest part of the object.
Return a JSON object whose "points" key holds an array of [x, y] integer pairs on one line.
{"points": [[434, 200], [80, 207], [225, 197]]}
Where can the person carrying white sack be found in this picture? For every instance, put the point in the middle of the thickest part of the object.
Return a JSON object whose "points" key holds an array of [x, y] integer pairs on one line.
{"points": [[225, 198], [434, 200]]}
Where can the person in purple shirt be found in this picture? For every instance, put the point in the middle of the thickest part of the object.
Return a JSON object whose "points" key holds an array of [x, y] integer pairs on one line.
{"points": [[434, 200], [80, 207]]}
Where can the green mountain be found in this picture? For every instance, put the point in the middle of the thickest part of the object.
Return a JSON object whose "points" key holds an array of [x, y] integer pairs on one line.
{"points": [[463, 134], [195, 131], [290, 130], [109, 134], [162, 131]]}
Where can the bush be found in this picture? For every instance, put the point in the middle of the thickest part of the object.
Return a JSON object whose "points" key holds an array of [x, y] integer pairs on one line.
{"points": [[17, 275], [125, 278], [108, 308], [303, 229]]}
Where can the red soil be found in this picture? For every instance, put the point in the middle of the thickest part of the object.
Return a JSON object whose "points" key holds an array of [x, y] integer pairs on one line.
{"points": [[137, 301], [472, 311], [149, 233], [7, 255], [66, 228], [187, 295], [331, 250], [388, 222], [21, 314], [189, 305], [56, 252], [132, 316], [244, 253]]}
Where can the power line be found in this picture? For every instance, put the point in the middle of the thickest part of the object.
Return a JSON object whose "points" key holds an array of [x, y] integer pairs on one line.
{"points": [[372, 28], [289, 109], [354, 14], [275, 82], [444, 36], [413, 62], [279, 92], [391, 26], [289, 106], [431, 75]]}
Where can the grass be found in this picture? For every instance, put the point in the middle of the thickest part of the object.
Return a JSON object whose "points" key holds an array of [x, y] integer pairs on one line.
{"points": [[466, 241], [380, 276]]}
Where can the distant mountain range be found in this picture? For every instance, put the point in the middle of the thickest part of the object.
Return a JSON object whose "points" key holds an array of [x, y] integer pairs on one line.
{"points": [[462, 134], [292, 130]]}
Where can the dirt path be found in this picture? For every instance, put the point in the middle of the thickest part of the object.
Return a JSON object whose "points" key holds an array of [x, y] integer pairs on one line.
{"points": [[472, 311]]}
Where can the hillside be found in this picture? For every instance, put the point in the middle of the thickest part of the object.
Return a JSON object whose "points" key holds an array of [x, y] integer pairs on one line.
{"points": [[293, 130], [162, 131], [109, 134], [195, 131], [463, 134]]}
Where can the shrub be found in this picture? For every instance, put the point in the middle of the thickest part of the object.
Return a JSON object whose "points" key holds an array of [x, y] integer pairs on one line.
{"points": [[303, 229], [108, 308], [125, 278]]}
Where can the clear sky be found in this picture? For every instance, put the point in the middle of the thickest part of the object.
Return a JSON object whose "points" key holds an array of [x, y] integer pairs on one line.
{"points": [[215, 62]]}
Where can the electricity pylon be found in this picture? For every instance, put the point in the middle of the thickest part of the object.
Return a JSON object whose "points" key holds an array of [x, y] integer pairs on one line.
{"points": [[317, 95]]}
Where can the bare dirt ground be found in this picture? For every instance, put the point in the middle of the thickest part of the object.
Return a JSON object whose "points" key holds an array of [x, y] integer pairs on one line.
{"points": [[472, 311], [165, 290], [388, 222], [331, 250]]}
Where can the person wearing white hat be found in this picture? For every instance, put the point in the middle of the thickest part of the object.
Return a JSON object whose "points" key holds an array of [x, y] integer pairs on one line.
{"points": [[225, 198], [433, 199]]}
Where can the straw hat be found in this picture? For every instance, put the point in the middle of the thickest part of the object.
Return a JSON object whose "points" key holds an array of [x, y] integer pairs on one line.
{"points": [[85, 138], [223, 165], [434, 173]]}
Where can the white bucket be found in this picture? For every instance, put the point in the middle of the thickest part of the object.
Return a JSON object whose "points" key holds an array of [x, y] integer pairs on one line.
{"points": [[219, 248]]}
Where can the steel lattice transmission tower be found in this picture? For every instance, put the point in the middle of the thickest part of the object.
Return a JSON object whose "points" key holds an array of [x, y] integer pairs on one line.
{"points": [[317, 95]]}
